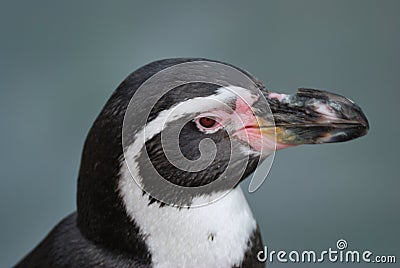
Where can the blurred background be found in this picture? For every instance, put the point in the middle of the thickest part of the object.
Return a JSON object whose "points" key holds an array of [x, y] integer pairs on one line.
{"points": [[61, 60]]}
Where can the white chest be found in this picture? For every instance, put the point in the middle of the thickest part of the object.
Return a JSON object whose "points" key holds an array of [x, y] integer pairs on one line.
{"points": [[215, 235]]}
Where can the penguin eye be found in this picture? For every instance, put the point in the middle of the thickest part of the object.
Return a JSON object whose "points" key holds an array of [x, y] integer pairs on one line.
{"points": [[207, 122]]}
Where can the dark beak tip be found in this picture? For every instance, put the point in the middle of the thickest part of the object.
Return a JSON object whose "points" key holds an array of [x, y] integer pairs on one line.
{"points": [[362, 119], [352, 112], [342, 135], [365, 122], [318, 116]]}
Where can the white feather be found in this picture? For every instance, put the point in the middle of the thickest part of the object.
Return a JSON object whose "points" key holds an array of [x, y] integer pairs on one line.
{"points": [[215, 235]]}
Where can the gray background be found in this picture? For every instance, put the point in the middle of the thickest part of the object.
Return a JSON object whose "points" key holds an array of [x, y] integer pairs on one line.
{"points": [[61, 60]]}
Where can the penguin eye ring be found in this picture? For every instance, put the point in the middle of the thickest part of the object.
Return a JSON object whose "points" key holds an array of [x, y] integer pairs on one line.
{"points": [[207, 123]]}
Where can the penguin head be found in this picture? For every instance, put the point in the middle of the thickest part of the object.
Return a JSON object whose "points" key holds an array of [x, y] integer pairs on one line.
{"points": [[201, 132], [196, 134]]}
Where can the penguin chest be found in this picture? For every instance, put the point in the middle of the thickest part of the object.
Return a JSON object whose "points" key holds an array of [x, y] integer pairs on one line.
{"points": [[215, 235]]}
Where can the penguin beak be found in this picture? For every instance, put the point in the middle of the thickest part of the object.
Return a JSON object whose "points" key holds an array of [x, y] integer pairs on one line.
{"points": [[313, 116]]}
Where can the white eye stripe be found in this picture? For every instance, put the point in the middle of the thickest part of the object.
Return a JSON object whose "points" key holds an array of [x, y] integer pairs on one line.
{"points": [[192, 106], [196, 105]]}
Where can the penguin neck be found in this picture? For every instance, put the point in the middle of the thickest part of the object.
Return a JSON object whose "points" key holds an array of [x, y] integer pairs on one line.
{"points": [[102, 216], [114, 213], [217, 233]]}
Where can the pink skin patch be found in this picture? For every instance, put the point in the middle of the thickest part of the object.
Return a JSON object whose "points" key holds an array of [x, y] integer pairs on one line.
{"points": [[247, 128], [249, 131], [244, 113], [326, 111], [277, 96]]}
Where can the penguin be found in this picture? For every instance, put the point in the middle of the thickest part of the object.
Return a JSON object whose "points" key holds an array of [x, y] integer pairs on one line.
{"points": [[120, 222]]}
